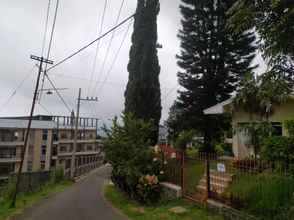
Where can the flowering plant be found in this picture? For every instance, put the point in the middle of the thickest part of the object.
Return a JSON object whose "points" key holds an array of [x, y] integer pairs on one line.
{"points": [[148, 189]]}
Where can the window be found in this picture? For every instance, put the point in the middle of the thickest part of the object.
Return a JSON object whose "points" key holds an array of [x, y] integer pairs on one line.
{"points": [[63, 135], [42, 165], [30, 166], [63, 148], [277, 129], [89, 148], [67, 163], [55, 135], [43, 149], [45, 135]]}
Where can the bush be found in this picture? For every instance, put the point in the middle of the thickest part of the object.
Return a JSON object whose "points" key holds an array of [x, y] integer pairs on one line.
{"points": [[277, 148], [148, 189], [127, 149], [57, 175]]}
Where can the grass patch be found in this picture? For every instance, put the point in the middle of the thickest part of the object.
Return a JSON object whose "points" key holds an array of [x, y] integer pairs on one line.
{"points": [[158, 212], [265, 195], [26, 200], [194, 171]]}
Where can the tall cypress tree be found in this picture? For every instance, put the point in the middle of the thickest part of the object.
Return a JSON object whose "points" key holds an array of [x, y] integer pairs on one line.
{"points": [[142, 95], [212, 59]]}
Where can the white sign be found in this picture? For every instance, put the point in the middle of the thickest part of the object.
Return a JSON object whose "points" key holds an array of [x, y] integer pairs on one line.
{"points": [[221, 167]]}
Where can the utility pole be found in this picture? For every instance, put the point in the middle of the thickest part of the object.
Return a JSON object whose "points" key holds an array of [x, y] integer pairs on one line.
{"points": [[73, 157], [41, 60]]}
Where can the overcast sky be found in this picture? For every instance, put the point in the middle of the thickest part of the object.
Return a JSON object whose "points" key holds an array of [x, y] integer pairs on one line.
{"points": [[21, 33]]}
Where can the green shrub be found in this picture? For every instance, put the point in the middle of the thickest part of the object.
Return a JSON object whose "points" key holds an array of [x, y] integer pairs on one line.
{"points": [[148, 189], [57, 175], [277, 148], [128, 150], [289, 124], [269, 197]]}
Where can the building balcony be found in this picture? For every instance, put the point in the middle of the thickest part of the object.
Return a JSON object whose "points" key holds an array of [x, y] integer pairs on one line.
{"points": [[70, 141], [81, 153], [11, 143], [10, 160]]}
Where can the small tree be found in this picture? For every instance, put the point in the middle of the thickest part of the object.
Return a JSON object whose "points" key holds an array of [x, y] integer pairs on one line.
{"points": [[127, 149]]}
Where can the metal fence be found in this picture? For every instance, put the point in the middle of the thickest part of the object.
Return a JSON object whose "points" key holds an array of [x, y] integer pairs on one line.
{"points": [[264, 189]]}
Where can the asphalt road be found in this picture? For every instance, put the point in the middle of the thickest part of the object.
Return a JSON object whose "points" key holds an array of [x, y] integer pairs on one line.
{"points": [[82, 201]]}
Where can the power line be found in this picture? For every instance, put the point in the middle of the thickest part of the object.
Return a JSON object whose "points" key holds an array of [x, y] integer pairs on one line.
{"points": [[115, 58], [45, 109], [97, 46], [92, 42], [109, 44], [17, 88], [46, 27], [58, 93], [49, 47]]}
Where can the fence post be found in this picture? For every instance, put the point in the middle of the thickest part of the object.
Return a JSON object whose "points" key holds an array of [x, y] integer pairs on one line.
{"points": [[182, 169], [208, 176]]}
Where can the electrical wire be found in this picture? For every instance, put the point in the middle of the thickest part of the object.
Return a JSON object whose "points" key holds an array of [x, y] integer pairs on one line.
{"points": [[97, 46], [45, 109], [115, 59], [92, 42], [58, 93], [17, 88], [46, 28], [109, 44], [49, 48]]}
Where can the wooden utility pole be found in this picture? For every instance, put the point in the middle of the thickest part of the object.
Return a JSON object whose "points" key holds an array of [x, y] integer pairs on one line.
{"points": [[41, 60], [73, 157]]}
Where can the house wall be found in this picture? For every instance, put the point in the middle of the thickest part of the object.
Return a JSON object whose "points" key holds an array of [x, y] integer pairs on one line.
{"points": [[281, 114]]}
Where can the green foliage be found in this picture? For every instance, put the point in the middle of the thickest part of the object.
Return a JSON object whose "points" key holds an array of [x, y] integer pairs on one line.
{"points": [[213, 60], [159, 211], [269, 197], [184, 138], [277, 148], [148, 189], [273, 21], [57, 175], [289, 124], [257, 95], [142, 95], [128, 150], [257, 131]]}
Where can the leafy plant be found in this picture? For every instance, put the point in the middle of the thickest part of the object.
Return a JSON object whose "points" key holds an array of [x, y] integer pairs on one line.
{"points": [[277, 148], [184, 138], [127, 149], [289, 124], [148, 189]]}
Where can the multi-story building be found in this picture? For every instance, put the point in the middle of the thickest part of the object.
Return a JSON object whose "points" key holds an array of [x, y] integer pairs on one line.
{"points": [[50, 144]]}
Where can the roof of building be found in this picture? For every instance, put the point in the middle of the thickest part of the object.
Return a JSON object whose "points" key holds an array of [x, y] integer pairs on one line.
{"points": [[19, 123], [218, 108]]}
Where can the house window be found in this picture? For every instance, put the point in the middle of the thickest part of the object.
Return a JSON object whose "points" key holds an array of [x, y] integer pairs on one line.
{"points": [[63, 148], [42, 165], [67, 163], [63, 135], [30, 166], [45, 135], [43, 149], [89, 148], [277, 129]]}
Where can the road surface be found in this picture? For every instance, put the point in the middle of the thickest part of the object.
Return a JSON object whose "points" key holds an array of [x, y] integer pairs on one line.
{"points": [[82, 201]]}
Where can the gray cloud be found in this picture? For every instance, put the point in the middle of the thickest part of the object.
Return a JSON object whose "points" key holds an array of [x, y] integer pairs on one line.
{"points": [[21, 28]]}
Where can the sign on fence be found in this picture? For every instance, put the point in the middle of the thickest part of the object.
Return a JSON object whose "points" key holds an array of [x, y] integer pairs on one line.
{"points": [[221, 167]]}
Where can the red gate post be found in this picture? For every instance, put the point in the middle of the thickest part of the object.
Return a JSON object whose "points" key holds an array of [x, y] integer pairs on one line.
{"points": [[182, 170]]}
